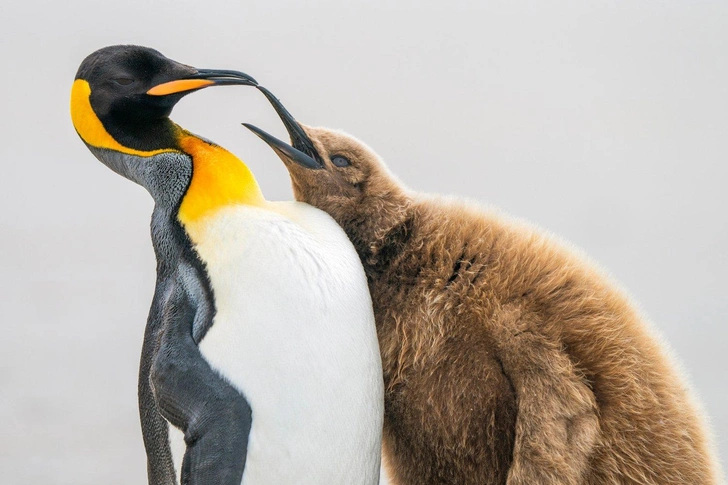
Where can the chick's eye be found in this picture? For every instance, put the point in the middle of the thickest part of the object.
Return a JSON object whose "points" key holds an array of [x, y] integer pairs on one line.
{"points": [[124, 81], [340, 161]]}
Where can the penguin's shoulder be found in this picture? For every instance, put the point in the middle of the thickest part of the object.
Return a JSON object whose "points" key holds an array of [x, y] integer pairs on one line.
{"points": [[293, 232], [327, 235], [267, 219], [309, 218]]}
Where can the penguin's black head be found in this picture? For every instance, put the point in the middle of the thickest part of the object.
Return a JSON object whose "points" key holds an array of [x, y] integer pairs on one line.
{"points": [[120, 76], [132, 90]]}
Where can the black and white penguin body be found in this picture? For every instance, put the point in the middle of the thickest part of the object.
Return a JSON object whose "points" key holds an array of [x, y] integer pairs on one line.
{"points": [[289, 290], [260, 361]]}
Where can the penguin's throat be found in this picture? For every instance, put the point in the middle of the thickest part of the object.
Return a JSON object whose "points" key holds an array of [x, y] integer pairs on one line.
{"points": [[219, 179]]}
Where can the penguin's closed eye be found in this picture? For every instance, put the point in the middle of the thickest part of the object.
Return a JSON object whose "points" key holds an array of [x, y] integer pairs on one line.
{"points": [[124, 81]]}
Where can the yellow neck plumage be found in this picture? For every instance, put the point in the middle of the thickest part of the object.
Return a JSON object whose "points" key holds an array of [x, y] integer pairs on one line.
{"points": [[219, 178]]}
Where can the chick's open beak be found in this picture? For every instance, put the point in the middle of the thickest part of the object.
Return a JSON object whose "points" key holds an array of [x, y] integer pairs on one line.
{"points": [[280, 146], [301, 150]]}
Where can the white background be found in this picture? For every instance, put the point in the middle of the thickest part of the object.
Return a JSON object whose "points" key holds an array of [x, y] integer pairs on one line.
{"points": [[604, 122]]}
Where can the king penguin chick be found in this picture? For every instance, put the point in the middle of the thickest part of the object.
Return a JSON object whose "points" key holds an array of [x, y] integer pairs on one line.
{"points": [[508, 358], [260, 344]]}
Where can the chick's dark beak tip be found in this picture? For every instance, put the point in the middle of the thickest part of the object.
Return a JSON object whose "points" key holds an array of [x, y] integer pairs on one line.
{"points": [[282, 147]]}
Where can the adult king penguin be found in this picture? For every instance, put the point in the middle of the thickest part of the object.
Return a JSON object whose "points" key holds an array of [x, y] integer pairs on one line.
{"points": [[508, 358], [260, 344]]}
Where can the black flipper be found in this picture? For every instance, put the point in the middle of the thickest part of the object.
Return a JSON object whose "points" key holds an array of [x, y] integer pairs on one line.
{"points": [[160, 469], [215, 418]]}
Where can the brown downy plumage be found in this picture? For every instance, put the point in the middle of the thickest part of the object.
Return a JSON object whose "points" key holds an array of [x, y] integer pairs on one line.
{"points": [[507, 356]]}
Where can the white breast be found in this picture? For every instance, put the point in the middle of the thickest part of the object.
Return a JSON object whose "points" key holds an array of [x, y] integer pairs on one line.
{"points": [[294, 333]]}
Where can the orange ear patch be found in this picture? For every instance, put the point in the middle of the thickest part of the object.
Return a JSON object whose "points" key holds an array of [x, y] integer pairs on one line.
{"points": [[90, 128]]}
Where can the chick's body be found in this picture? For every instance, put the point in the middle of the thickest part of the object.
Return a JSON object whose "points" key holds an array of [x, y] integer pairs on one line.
{"points": [[508, 357]]}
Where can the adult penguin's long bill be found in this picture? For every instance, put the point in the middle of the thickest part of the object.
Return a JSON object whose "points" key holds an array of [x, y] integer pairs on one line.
{"points": [[260, 344]]}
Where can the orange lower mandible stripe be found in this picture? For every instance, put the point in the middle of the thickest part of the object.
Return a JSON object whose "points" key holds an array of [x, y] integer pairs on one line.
{"points": [[178, 86]]}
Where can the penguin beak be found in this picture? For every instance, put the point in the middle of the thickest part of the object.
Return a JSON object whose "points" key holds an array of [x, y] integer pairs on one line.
{"points": [[282, 147], [301, 149], [202, 78]]}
